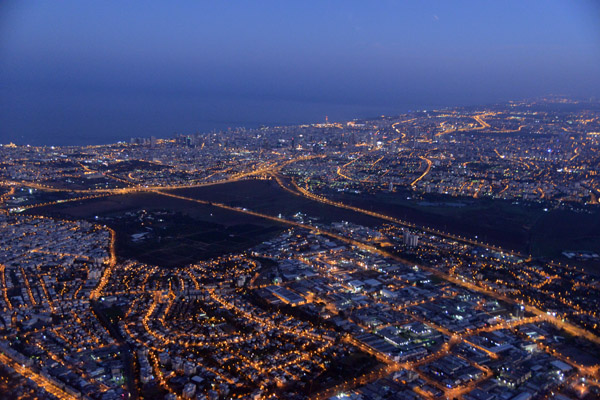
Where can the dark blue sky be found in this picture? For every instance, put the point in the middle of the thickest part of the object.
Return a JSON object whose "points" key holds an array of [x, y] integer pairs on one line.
{"points": [[76, 72]]}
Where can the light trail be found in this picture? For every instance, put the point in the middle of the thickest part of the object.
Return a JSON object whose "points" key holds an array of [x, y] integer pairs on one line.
{"points": [[576, 151], [479, 119], [97, 292], [429, 163], [4, 287], [339, 169], [504, 190], [376, 161]]}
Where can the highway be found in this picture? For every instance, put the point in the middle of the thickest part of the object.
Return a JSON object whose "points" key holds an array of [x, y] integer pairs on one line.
{"points": [[479, 119], [429, 163]]}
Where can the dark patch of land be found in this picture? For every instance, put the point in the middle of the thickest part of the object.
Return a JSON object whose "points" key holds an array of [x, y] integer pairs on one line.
{"points": [[132, 165], [577, 348], [26, 196], [525, 228], [269, 198], [498, 223], [63, 164], [560, 230], [174, 232], [92, 182]]}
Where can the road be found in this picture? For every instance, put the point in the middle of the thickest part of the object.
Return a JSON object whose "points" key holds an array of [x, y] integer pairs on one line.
{"points": [[38, 379], [429, 163]]}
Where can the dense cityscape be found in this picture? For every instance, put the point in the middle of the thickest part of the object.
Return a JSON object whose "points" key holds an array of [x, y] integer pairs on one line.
{"points": [[439, 254]]}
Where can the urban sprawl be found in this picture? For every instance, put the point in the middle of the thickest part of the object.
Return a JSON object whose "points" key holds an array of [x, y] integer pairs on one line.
{"points": [[320, 308]]}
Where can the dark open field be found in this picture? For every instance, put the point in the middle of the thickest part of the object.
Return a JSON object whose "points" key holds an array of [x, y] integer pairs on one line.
{"points": [[268, 198], [29, 196], [524, 228], [494, 222], [179, 232]]}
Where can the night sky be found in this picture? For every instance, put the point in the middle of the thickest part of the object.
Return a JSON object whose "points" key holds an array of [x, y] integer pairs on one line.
{"points": [[92, 72]]}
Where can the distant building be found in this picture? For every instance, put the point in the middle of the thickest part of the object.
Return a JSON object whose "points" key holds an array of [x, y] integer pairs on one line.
{"points": [[410, 239]]}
